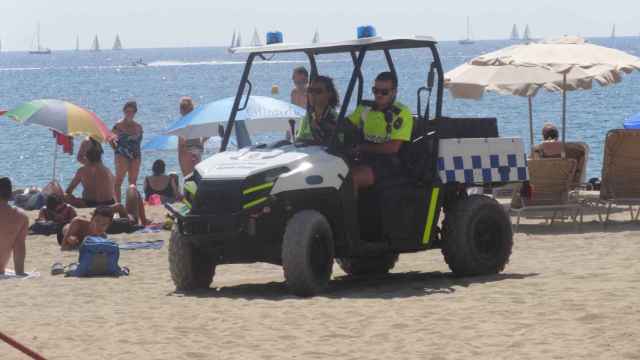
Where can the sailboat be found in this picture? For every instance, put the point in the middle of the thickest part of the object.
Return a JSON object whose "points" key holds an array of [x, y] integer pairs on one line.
{"points": [[515, 35], [527, 34], [39, 49], [238, 41], [77, 43], [95, 46], [613, 32], [255, 40], [316, 37], [117, 45], [467, 40], [233, 42]]}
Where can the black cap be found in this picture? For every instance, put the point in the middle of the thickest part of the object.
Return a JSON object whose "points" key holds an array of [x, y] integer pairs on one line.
{"points": [[5, 188]]}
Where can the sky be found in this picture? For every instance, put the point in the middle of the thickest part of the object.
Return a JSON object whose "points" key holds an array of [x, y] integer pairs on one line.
{"points": [[184, 23]]}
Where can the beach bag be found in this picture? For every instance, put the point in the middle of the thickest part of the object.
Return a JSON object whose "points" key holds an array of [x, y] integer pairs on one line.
{"points": [[98, 257]]}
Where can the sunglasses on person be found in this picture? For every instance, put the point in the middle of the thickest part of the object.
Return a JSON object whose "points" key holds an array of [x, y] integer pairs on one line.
{"points": [[315, 91], [382, 92]]}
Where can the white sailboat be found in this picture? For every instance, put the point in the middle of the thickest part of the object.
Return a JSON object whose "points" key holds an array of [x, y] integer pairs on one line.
{"points": [[95, 45], [255, 39], [117, 44], [233, 42], [613, 32], [515, 35], [467, 40], [77, 43], [238, 41], [316, 37], [38, 48], [527, 34]]}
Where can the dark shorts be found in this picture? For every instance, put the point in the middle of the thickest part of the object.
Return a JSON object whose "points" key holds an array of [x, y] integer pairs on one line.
{"points": [[383, 166], [94, 204]]}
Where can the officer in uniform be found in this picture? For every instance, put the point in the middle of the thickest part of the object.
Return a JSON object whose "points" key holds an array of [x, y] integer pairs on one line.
{"points": [[385, 125]]}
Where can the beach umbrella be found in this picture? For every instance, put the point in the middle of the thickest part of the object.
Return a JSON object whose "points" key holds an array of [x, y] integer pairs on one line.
{"points": [[632, 122], [564, 56], [170, 143], [262, 114], [62, 117]]}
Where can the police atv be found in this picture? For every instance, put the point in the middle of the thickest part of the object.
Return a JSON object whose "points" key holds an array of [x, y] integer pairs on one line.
{"points": [[294, 205]]}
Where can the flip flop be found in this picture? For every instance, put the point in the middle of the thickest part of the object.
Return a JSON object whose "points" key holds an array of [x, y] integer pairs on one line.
{"points": [[57, 269]]}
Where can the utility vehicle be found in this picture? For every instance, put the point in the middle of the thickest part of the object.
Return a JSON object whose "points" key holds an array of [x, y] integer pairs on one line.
{"points": [[293, 204]]}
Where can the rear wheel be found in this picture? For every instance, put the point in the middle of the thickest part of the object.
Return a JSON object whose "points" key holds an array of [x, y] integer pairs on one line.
{"points": [[190, 269], [477, 237], [307, 253], [373, 265]]}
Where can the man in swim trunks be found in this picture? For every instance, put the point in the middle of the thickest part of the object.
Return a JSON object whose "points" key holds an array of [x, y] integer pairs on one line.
{"points": [[97, 182], [14, 225]]}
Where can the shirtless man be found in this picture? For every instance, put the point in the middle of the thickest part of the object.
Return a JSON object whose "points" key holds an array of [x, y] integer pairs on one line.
{"points": [[14, 225], [299, 93], [97, 182], [87, 144], [75, 232]]}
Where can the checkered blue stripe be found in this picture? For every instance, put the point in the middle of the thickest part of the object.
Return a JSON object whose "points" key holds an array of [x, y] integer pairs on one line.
{"points": [[479, 169]]}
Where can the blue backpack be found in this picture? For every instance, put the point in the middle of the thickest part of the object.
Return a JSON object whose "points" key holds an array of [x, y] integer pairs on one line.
{"points": [[99, 257]]}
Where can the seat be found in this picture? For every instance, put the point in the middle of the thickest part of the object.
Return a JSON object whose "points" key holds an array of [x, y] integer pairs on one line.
{"points": [[578, 151], [550, 181]]}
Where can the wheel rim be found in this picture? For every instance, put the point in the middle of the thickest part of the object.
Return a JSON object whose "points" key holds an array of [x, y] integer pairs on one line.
{"points": [[487, 236], [320, 261]]}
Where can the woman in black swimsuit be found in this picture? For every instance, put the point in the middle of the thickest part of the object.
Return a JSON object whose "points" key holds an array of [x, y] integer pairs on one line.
{"points": [[126, 145], [161, 184]]}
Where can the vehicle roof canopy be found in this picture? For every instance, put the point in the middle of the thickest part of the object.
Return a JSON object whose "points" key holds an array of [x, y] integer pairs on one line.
{"points": [[372, 43]]}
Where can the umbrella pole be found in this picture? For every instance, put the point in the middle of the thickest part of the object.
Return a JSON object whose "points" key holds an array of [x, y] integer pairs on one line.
{"points": [[55, 157], [531, 121], [564, 107]]}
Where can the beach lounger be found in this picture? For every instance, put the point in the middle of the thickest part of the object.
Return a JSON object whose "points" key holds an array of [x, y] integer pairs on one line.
{"points": [[578, 151], [550, 181], [620, 184]]}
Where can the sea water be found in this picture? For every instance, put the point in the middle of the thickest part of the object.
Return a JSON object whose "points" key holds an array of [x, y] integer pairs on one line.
{"points": [[104, 81]]}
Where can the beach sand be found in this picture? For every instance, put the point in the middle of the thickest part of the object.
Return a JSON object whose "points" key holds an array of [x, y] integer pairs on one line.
{"points": [[566, 294]]}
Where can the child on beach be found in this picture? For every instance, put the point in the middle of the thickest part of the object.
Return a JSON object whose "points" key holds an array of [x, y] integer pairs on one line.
{"points": [[13, 230], [53, 217]]}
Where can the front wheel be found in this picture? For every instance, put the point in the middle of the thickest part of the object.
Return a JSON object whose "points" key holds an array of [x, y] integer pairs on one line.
{"points": [[477, 237], [190, 268], [307, 253]]}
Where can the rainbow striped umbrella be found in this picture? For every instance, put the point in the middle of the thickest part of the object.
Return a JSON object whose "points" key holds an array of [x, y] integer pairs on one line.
{"points": [[61, 116]]}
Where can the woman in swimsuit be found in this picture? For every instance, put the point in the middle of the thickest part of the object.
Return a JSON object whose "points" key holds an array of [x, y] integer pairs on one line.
{"points": [[189, 150], [161, 184], [126, 145]]}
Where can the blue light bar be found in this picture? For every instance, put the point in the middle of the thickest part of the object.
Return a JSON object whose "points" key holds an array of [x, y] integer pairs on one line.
{"points": [[366, 31], [274, 37]]}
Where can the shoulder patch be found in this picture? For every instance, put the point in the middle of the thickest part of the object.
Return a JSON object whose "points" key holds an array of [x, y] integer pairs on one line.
{"points": [[397, 124]]}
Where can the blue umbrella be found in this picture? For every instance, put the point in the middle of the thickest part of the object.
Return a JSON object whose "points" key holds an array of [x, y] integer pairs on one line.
{"points": [[170, 143], [258, 116], [632, 122]]}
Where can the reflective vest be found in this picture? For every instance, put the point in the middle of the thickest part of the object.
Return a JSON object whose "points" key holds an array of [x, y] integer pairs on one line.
{"points": [[380, 127]]}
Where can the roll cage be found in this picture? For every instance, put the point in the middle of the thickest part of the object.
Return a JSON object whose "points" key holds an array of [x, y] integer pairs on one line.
{"points": [[358, 50]]}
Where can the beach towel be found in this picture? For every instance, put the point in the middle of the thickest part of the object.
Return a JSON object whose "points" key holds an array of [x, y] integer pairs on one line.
{"points": [[135, 245], [10, 274], [150, 229]]}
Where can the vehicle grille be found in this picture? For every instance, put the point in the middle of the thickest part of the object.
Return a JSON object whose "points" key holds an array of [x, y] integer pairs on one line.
{"points": [[218, 197]]}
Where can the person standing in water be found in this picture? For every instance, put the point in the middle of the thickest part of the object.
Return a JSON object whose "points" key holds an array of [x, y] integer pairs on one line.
{"points": [[14, 225], [126, 145], [299, 93], [189, 150]]}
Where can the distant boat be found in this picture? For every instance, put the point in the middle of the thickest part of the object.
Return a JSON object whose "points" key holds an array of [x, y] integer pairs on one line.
{"points": [[139, 62], [527, 34], [515, 35], [467, 40], [613, 32], [95, 45], [117, 45], [38, 48], [238, 41], [233, 42], [255, 40], [77, 43], [316, 37]]}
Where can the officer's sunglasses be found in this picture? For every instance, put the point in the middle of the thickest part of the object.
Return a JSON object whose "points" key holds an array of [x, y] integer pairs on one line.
{"points": [[383, 92]]}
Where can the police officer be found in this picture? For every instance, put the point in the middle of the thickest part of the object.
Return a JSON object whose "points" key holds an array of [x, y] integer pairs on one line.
{"points": [[385, 125]]}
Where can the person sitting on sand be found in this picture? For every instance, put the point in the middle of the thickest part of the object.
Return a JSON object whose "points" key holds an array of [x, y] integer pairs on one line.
{"points": [[75, 232], [14, 225], [300, 80], [57, 211], [161, 184], [87, 144], [97, 182]]}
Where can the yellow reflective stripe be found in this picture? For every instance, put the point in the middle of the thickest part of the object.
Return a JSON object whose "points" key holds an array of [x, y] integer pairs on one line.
{"points": [[191, 187], [431, 215], [257, 188], [186, 203], [255, 202]]}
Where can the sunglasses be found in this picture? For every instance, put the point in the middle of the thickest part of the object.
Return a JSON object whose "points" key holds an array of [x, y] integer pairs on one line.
{"points": [[383, 92], [315, 91]]}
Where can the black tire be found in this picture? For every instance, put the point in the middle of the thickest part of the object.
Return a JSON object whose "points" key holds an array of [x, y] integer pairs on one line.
{"points": [[190, 268], [374, 265], [307, 253], [477, 237]]}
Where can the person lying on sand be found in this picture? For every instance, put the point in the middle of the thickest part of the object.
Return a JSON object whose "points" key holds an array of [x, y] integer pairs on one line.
{"points": [[97, 182], [13, 230], [76, 231]]}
